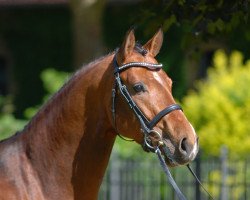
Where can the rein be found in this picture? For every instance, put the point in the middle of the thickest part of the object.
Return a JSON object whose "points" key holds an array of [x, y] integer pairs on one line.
{"points": [[146, 124]]}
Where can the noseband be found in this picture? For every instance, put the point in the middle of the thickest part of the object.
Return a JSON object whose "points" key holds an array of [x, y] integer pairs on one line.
{"points": [[146, 125]]}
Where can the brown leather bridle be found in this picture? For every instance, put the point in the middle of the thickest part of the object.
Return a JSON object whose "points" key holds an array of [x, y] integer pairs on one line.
{"points": [[146, 124]]}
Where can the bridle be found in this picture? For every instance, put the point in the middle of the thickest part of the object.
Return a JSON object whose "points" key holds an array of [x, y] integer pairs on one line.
{"points": [[146, 125]]}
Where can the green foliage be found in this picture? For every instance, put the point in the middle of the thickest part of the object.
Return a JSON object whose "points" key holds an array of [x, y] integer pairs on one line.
{"points": [[52, 81], [220, 108], [130, 150], [8, 123], [200, 22], [235, 178], [209, 17]]}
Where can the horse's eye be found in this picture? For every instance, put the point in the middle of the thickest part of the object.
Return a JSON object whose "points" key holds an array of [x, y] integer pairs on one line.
{"points": [[139, 87]]}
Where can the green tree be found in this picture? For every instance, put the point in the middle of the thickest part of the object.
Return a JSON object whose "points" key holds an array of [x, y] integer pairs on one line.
{"points": [[199, 17], [52, 81], [219, 108]]}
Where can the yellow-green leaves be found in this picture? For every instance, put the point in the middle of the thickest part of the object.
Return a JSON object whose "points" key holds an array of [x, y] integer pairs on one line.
{"points": [[220, 108]]}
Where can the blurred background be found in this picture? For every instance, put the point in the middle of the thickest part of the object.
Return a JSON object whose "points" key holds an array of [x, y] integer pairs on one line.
{"points": [[205, 52]]}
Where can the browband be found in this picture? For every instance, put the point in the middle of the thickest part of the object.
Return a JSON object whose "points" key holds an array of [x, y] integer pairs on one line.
{"points": [[151, 66]]}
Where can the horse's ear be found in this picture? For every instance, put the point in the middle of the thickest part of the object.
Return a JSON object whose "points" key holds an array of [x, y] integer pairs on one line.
{"points": [[127, 46], [155, 43]]}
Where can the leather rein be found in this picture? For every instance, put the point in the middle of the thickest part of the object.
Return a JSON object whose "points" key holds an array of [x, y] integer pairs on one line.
{"points": [[146, 124]]}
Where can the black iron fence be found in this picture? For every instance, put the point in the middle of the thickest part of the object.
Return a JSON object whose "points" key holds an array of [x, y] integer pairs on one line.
{"points": [[145, 180]]}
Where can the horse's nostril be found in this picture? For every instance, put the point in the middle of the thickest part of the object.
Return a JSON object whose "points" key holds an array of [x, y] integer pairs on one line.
{"points": [[187, 150], [183, 146]]}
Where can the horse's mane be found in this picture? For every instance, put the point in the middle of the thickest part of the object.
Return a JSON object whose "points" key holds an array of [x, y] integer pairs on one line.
{"points": [[53, 100]]}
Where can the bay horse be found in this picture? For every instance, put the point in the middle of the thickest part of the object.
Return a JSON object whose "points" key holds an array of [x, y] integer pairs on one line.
{"points": [[63, 152]]}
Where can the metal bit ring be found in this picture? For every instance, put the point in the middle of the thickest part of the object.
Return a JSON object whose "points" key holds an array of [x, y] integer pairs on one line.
{"points": [[147, 139]]}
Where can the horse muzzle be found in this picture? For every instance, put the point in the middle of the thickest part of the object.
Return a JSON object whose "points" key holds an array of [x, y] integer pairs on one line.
{"points": [[175, 154], [181, 153]]}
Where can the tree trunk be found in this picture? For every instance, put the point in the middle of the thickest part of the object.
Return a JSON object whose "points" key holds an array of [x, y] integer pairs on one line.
{"points": [[87, 29]]}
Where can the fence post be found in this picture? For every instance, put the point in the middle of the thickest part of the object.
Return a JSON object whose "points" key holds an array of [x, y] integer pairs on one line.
{"points": [[115, 189], [198, 173], [224, 172], [245, 178]]}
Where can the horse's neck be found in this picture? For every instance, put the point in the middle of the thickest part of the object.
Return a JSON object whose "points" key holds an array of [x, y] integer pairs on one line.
{"points": [[70, 140]]}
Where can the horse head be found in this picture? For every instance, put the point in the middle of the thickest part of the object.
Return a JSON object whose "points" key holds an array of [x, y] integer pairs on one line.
{"points": [[150, 89]]}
